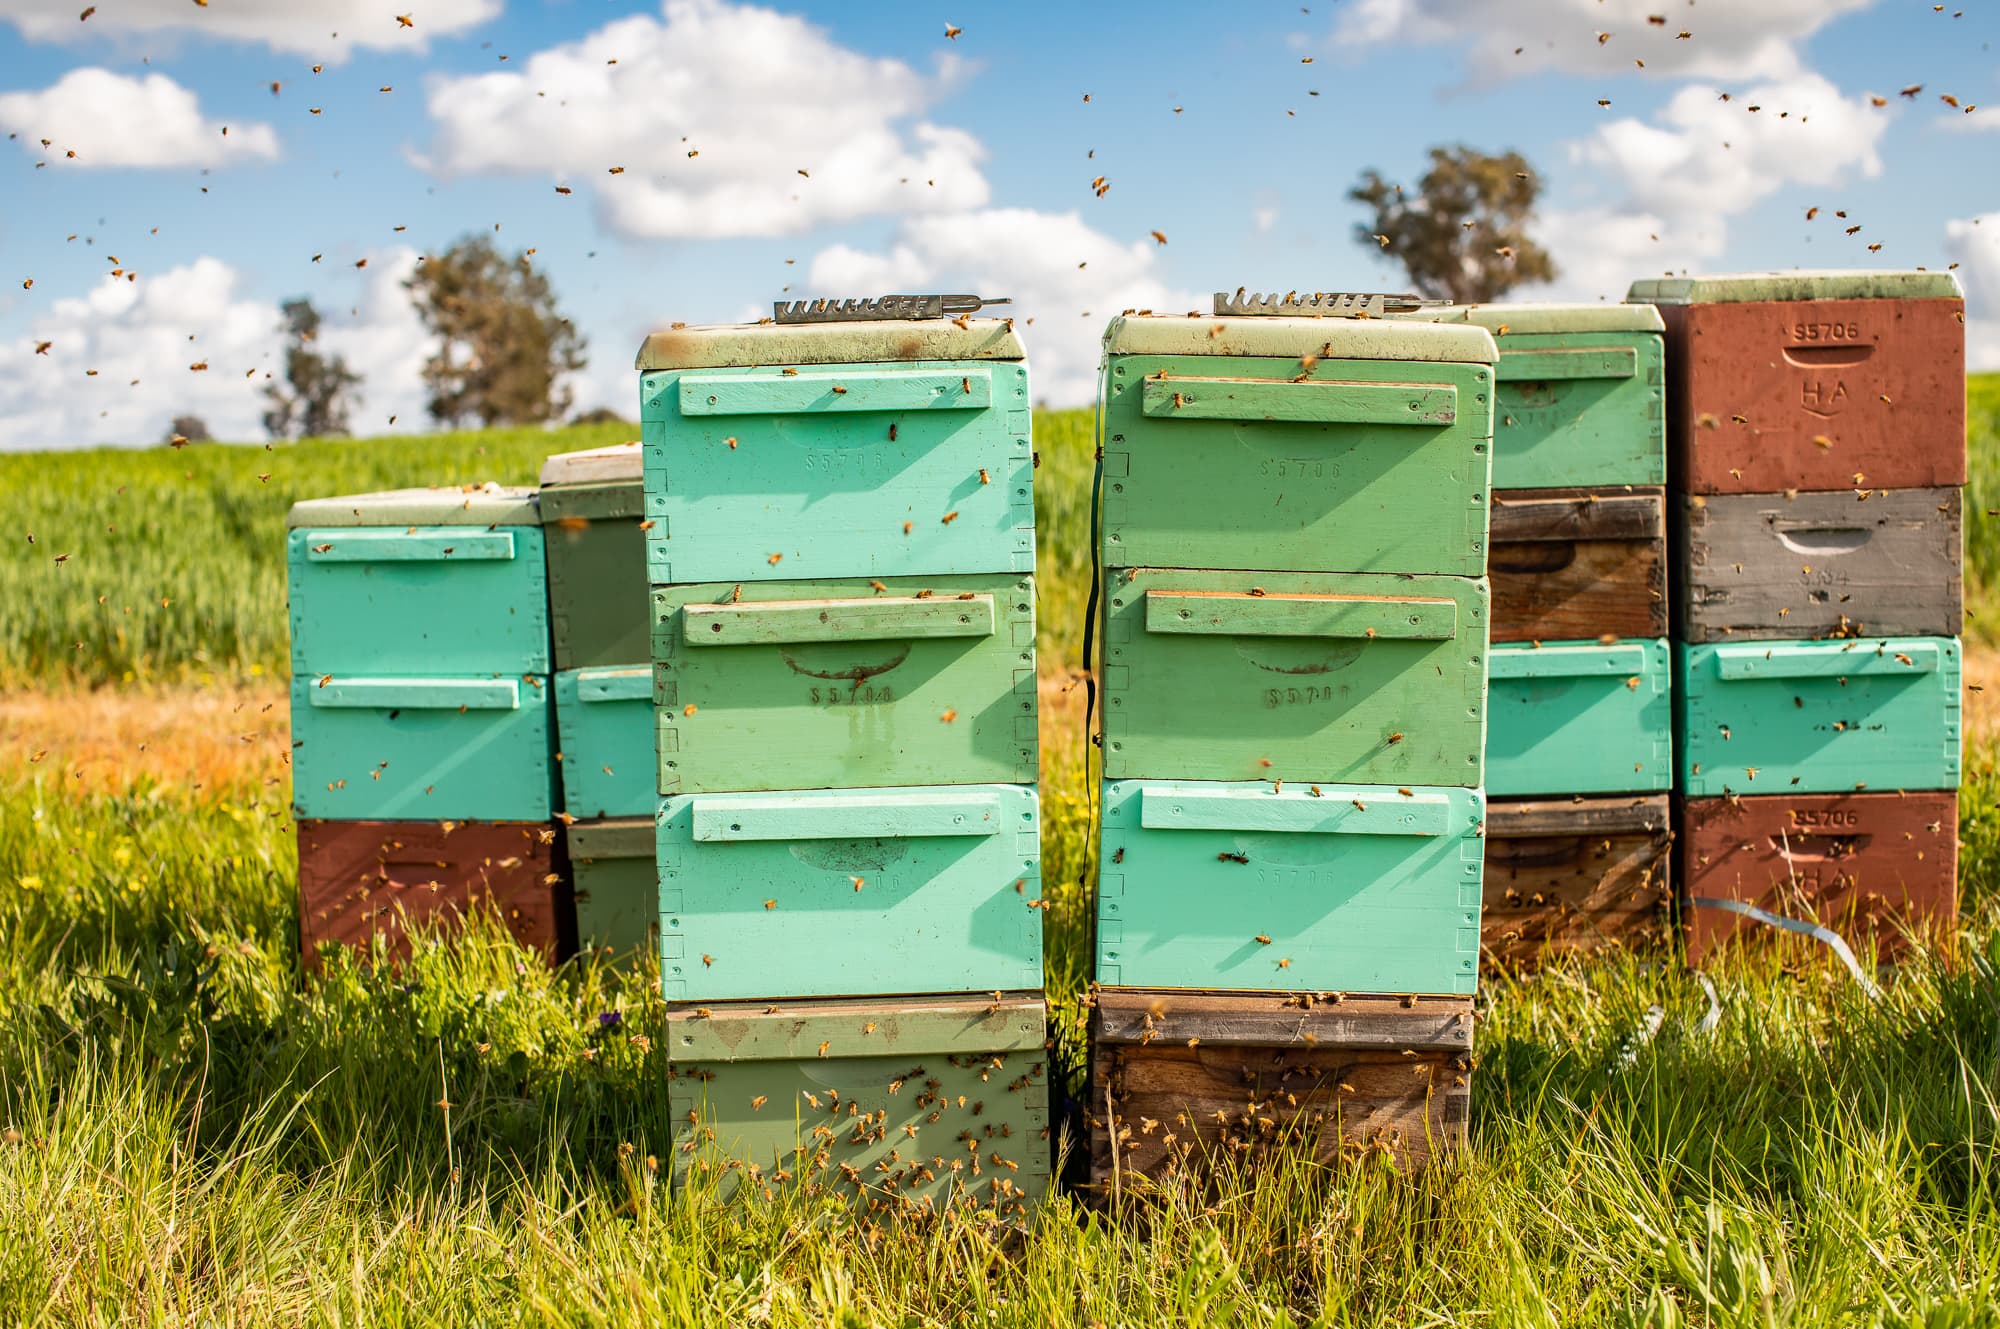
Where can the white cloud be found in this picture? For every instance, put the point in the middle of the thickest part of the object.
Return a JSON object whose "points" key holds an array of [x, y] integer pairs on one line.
{"points": [[760, 96], [1971, 121], [329, 30], [1730, 39], [143, 337], [1974, 244], [107, 119], [1069, 278]]}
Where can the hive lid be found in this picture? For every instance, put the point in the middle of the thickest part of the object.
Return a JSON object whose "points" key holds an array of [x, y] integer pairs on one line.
{"points": [[1805, 284], [470, 505], [853, 1027], [625, 837], [620, 461], [875, 341], [1328, 338], [1529, 319]]}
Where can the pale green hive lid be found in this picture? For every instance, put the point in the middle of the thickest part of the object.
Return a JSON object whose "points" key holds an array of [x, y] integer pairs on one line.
{"points": [[1805, 284], [469, 505], [1293, 338], [620, 461], [862, 342], [849, 1027], [1555, 319]]}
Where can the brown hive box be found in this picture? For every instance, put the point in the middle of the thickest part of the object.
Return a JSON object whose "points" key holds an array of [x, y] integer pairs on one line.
{"points": [[358, 878], [1574, 877], [1573, 564], [1802, 380], [1183, 1080], [1867, 866]]}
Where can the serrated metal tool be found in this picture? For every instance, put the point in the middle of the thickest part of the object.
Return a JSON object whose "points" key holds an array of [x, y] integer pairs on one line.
{"points": [[881, 307], [1317, 304]]}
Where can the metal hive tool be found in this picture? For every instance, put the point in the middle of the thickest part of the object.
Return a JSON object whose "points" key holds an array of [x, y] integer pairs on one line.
{"points": [[880, 307], [1318, 304]]}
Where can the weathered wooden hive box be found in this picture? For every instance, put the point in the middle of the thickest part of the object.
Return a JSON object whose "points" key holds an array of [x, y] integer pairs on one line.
{"points": [[1799, 564], [1813, 380], [616, 888], [841, 892], [1575, 563], [1579, 717], [1581, 397], [860, 449], [1876, 868], [927, 1104], [420, 656], [1305, 887], [1360, 678], [593, 506], [604, 718], [1574, 876], [1325, 444], [1818, 717]]}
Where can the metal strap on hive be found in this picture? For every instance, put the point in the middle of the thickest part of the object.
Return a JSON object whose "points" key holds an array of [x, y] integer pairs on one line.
{"points": [[881, 307], [1318, 304]]}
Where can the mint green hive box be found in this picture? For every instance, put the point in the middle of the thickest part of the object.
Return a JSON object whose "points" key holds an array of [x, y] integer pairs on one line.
{"points": [[869, 448], [864, 892], [617, 889], [1582, 393], [836, 683], [954, 1094], [604, 718], [593, 506], [1356, 888], [1357, 677], [1818, 717], [1579, 717], [1330, 444]]}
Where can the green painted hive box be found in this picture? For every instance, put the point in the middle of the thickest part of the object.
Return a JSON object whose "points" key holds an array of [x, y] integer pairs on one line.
{"points": [[1579, 717], [858, 892], [1327, 444], [593, 504], [872, 449], [845, 682], [1353, 888], [1581, 398], [604, 719], [617, 889], [1818, 717], [1358, 678], [921, 1104]]}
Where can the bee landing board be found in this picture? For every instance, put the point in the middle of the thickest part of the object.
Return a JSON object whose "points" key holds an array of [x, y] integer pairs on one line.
{"points": [[1570, 877], [1572, 564], [916, 1103], [617, 889], [1579, 717], [1211, 1084]]}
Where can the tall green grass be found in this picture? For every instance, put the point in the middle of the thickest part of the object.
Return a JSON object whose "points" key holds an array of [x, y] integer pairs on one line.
{"points": [[1982, 506]]}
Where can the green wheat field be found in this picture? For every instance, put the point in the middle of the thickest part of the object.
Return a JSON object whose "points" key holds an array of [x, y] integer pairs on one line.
{"points": [[192, 1138]]}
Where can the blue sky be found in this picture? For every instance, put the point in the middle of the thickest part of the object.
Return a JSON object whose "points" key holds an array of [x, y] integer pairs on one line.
{"points": [[931, 162]]}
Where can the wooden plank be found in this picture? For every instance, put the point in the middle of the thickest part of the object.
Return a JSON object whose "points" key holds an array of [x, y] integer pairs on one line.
{"points": [[1624, 815], [1794, 565], [861, 388], [1299, 1019], [1258, 613], [1567, 879], [1577, 565], [880, 618], [1307, 401], [1533, 515]]}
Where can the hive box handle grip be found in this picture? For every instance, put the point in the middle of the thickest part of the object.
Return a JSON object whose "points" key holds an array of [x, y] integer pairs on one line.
{"points": [[622, 684], [855, 390], [879, 618], [354, 545], [1543, 366], [1620, 662], [1340, 811], [416, 694], [1824, 541], [1313, 401], [1239, 614], [1748, 661], [874, 814]]}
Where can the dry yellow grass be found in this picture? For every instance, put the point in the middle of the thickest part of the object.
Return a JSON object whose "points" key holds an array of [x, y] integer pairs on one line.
{"points": [[109, 739]]}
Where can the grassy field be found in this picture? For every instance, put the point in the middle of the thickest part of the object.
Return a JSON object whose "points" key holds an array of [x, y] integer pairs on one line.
{"points": [[187, 1136]]}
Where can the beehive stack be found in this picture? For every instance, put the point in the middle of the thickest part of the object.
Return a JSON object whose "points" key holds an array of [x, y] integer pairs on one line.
{"points": [[421, 736], [1817, 445], [600, 619], [1580, 722], [1294, 611], [841, 551]]}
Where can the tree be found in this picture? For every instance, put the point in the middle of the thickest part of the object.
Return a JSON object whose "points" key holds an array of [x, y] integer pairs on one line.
{"points": [[188, 429], [318, 389], [1464, 236], [503, 346]]}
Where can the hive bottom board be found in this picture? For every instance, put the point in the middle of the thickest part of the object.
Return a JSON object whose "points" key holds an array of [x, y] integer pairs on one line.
{"points": [[1185, 1081], [1867, 866], [617, 889], [917, 1102], [360, 878], [1574, 877]]}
